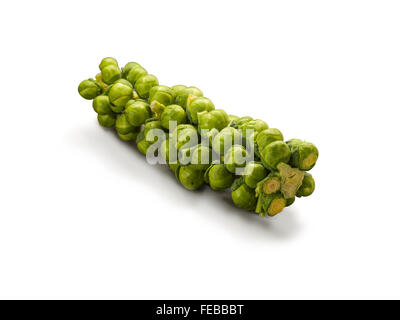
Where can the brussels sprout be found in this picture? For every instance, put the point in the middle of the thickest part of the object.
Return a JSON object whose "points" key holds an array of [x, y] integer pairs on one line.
{"points": [[196, 105], [304, 154], [147, 137], [129, 136], [275, 153], [106, 120], [137, 112], [162, 94], [101, 104], [124, 129], [183, 95], [200, 157], [293, 142], [110, 71], [142, 110], [175, 113], [177, 89], [268, 136], [124, 82], [89, 89], [218, 177], [270, 184], [128, 67], [144, 84], [235, 157], [290, 201], [307, 187], [243, 120], [225, 139], [291, 180], [253, 125], [135, 73], [214, 119], [119, 94], [190, 177], [270, 204], [243, 196], [142, 144], [149, 126], [106, 62], [184, 135], [254, 172]]}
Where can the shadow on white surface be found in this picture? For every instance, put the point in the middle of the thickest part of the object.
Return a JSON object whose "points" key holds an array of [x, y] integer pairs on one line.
{"points": [[124, 159]]}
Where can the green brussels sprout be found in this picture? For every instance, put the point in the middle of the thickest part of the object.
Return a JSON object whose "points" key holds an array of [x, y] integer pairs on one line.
{"points": [[124, 129], [270, 204], [270, 184], [110, 71], [225, 139], [290, 201], [243, 196], [123, 81], [242, 120], [196, 105], [183, 95], [201, 157], [106, 120], [162, 94], [307, 187], [144, 84], [268, 136], [275, 153], [254, 125], [304, 154], [119, 94], [129, 136], [177, 89], [135, 73], [107, 61], [214, 119], [235, 157], [175, 113], [291, 180], [128, 67], [101, 104], [150, 125], [293, 142], [89, 89], [137, 112], [147, 137], [142, 144], [190, 177], [218, 177], [254, 172], [184, 135]]}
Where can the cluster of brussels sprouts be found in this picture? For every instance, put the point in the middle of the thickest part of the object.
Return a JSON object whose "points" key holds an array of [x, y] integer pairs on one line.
{"points": [[264, 172]]}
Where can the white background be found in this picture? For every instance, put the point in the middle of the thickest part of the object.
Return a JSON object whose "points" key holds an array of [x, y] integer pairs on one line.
{"points": [[82, 215]]}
